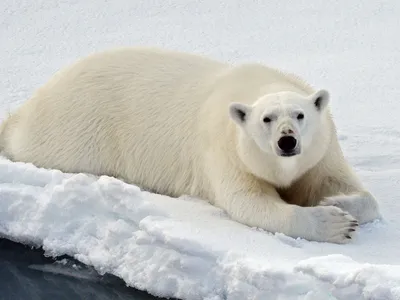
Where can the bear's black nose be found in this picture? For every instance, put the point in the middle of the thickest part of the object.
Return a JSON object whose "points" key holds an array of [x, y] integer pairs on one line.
{"points": [[287, 144]]}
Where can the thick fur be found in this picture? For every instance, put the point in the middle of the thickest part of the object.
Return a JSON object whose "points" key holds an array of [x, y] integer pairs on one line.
{"points": [[160, 119]]}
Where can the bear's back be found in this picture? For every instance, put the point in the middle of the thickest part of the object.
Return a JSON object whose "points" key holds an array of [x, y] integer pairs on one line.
{"points": [[129, 113]]}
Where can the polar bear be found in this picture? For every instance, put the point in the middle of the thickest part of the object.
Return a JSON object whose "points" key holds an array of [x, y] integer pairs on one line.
{"points": [[255, 141]]}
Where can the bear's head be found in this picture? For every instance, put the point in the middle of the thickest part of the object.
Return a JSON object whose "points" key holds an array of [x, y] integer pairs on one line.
{"points": [[282, 124]]}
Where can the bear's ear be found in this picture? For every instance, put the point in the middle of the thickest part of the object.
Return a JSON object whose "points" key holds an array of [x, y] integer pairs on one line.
{"points": [[239, 112], [320, 99]]}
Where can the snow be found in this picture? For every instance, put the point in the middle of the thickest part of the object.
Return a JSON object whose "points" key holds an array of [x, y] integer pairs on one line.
{"points": [[186, 248]]}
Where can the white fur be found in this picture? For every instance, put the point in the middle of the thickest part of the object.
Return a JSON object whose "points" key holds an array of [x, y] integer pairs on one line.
{"points": [[169, 122]]}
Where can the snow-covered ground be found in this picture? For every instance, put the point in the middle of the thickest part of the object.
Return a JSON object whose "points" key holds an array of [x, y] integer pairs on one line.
{"points": [[184, 247]]}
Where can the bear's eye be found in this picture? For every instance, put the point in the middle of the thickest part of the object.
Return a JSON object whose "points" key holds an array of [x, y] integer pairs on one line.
{"points": [[300, 116], [266, 120]]}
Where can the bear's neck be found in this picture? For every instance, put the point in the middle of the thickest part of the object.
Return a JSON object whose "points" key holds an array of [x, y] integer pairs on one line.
{"points": [[281, 171]]}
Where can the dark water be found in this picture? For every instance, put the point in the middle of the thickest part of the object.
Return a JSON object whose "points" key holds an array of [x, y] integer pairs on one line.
{"points": [[21, 280]]}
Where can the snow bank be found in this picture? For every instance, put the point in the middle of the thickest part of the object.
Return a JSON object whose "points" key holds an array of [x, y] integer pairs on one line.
{"points": [[183, 247]]}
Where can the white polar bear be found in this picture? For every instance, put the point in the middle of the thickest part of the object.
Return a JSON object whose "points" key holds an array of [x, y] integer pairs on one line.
{"points": [[255, 141]]}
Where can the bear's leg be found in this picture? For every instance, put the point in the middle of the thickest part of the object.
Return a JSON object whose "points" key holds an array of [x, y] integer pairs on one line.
{"points": [[339, 186], [256, 203]]}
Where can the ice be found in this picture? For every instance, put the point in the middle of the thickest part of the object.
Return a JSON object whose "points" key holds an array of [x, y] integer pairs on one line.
{"points": [[184, 247]]}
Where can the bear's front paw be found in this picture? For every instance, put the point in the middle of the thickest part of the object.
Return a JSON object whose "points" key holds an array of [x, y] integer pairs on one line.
{"points": [[362, 206], [332, 224]]}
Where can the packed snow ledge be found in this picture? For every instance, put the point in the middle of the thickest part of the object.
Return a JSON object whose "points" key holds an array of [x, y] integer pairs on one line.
{"points": [[186, 248]]}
